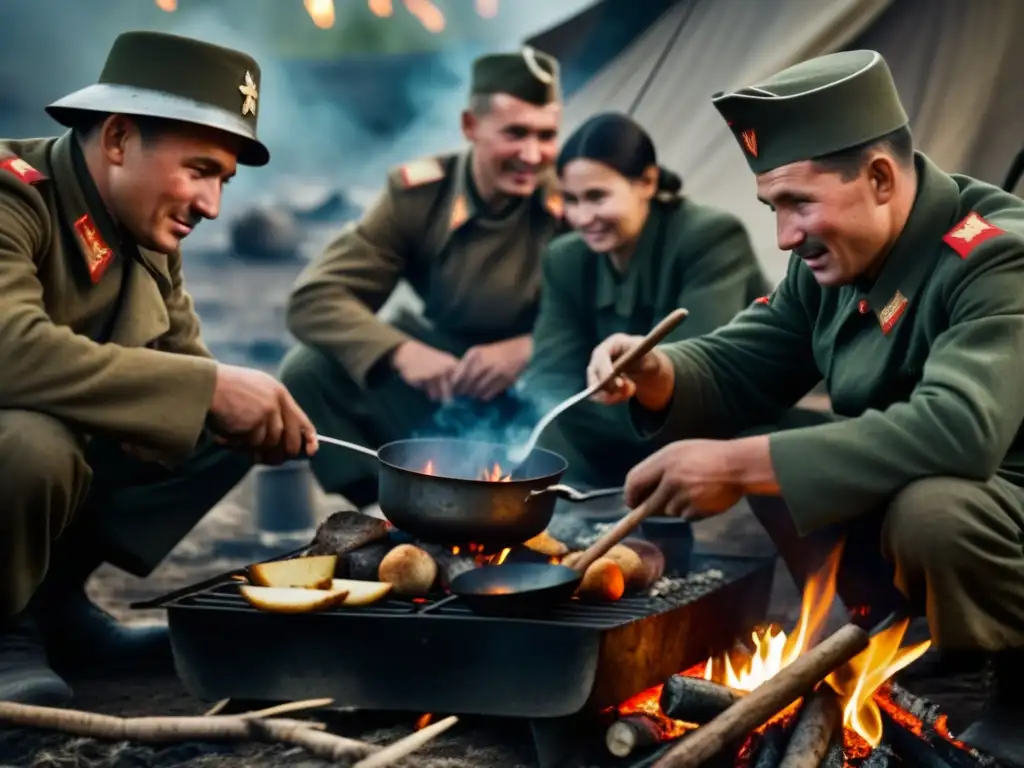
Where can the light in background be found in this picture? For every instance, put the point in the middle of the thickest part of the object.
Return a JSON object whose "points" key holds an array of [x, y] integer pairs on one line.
{"points": [[428, 14]]}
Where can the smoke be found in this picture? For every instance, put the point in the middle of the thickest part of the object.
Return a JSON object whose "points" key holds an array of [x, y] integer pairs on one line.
{"points": [[56, 46]]}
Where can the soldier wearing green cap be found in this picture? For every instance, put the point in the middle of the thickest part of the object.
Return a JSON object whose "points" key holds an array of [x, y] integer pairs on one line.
{"points": [[466, 231], [905, 294], [118, 431]]}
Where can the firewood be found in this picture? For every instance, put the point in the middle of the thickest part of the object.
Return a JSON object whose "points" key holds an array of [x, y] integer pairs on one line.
{"points": [[909, 747], [343, 532], [773, 745], [769, 698], [696, 700], [819, 719], [448, 565], [835, 757], [880, 757], [632, 732]]}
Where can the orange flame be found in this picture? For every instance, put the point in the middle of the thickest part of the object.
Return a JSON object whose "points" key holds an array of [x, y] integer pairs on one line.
{"points": [[167, 5], [774, 649], [857, 681], [488, 9], [423, 721], [428, 14], [321, 12], [382, 8]]}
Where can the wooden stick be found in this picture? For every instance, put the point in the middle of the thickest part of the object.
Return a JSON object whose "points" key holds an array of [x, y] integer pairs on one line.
{"points": [[177, 729], [696, 700], [216, 708], [773, 745], [404, 747], [294, 706], [816, 726], [631, 732], [768, 699]]}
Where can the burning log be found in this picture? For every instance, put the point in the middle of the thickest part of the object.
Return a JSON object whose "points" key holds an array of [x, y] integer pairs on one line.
{"points": [[772, 745], [834, 757], [632, 732], [757, 707], [696, 700], [909, 747], [933, 729], [880, 757], [819, 720]]}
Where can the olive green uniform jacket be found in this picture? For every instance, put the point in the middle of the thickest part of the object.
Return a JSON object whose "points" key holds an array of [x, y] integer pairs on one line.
{"points": [[926, 363], [689, 255], [99, 346], [479, 278]]}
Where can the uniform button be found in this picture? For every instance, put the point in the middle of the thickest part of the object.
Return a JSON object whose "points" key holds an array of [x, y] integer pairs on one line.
{"points": [[863, 307]]}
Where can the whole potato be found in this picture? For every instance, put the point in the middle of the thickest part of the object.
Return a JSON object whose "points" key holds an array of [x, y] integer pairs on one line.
{"points": [[603, 581], [409, 570], [631, 564]]}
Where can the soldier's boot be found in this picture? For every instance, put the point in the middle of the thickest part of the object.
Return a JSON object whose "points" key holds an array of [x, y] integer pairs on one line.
{"points": [[998, 732], [81, 637], [25, 675]]}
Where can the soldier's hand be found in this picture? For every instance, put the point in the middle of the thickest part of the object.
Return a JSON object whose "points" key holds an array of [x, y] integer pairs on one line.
{"points": [[487, 370], [691, 479], [650, 379], [254, 411], [425, 368]]}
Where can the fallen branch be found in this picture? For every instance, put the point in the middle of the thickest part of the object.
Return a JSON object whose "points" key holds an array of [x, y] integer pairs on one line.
{"points": [[176, 729], [768, 699], [404, 747]]}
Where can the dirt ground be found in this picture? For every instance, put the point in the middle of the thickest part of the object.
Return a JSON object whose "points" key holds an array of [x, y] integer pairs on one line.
{"points": [[223, 541]]}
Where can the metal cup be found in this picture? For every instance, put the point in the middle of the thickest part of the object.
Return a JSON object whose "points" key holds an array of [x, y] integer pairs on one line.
{"points": [[285, 509]]}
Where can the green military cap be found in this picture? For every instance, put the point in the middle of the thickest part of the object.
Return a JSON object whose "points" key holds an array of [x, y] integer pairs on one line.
{"points": [[529, 75], [154, 74], [814, 108]]}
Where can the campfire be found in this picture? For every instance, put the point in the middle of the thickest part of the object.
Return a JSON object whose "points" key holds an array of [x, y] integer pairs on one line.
{"points": [[852, 714], [494, 475]]}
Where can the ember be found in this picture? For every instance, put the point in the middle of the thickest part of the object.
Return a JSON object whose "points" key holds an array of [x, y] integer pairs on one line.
{"points": [[871, 707]]}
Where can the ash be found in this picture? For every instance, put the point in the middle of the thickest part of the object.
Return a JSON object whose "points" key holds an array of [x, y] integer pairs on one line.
{"points": [[668, 592]]}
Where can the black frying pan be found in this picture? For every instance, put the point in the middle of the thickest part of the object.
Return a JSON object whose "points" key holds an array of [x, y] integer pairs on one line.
{"points": [[433, 490], [524, 589]]}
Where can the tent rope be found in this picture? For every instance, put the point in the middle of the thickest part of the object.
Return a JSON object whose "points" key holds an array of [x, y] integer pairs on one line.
{"points": [[673, 38]]}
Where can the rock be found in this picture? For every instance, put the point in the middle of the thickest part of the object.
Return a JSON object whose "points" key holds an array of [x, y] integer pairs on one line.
{"points": [[266, 233]]}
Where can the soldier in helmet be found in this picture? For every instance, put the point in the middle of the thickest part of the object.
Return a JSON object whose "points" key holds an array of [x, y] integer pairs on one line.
{"points": [[905, 294], [118, 430], [466, 231]]}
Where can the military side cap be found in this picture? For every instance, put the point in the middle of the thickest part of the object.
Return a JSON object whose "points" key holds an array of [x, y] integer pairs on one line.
{"points": [[528, 75], [154, 74], [814, 108]]}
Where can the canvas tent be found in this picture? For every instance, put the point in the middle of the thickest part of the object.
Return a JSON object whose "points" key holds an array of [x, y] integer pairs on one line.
{"points": [[957, 65]]}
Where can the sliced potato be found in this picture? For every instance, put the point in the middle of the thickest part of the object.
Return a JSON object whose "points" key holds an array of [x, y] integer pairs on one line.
{"points": [[306, 572], [362, 593], [292, 599]]}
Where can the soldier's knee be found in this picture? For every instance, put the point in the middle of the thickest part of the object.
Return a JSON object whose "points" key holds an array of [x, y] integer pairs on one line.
{"points": [[43, 462], [927, 523]]}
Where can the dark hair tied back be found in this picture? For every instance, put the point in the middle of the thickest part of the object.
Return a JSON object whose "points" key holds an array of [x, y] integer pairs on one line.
{"points": [[619, 142]]}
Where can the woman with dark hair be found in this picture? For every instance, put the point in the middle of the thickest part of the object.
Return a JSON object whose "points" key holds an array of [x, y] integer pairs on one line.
{"points": [[639, 250]]}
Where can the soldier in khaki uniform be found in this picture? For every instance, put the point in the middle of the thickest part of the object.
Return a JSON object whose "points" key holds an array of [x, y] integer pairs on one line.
{"points": [[466, 231], [905, 292], [118, 431]]}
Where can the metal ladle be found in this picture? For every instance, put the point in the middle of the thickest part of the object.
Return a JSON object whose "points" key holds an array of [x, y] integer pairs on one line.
{"points": [[518, 454]]}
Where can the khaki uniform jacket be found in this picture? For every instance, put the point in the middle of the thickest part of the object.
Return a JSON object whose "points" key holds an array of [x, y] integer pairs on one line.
{"points": [[926, 363], [94, 330], [479, 277]]}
